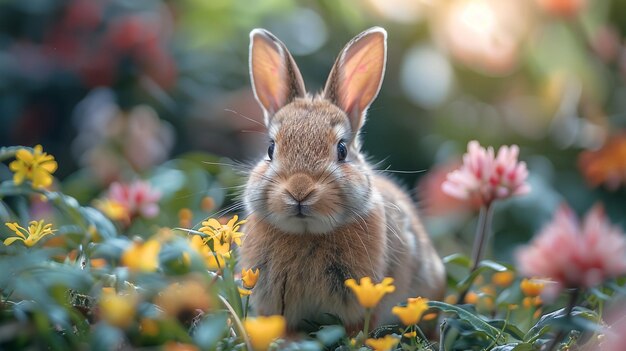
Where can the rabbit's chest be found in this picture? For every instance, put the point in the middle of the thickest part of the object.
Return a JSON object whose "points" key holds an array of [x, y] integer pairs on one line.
{"points": [[309, 283]]}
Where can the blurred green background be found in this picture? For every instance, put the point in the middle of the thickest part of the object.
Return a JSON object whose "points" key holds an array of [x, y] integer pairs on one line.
{"points": [[115, 88]]}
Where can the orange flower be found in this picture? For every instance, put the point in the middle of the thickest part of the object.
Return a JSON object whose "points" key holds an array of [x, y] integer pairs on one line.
{"points": [[607, 165], [503, 279]]}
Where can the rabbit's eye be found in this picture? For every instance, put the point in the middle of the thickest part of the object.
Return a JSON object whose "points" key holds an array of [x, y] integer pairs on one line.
{"points": [[270, 150], [342, 151]]}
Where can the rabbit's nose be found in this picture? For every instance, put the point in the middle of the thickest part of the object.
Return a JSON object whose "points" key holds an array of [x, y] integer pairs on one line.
{"points": [[300, 187]]}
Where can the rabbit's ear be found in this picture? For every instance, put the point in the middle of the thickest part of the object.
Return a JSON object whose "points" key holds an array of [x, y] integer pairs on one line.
{"points": [[358, 74], [276, 80]]}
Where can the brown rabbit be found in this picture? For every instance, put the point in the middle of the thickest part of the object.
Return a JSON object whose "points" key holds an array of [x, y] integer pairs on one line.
{"points": [[318, 213]]}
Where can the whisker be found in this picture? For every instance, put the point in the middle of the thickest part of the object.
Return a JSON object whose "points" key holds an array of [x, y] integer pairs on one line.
{"points": [[246, 117]]}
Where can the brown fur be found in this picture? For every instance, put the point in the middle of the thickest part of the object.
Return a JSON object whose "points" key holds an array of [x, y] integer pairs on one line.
{"points": [[316, 221]]}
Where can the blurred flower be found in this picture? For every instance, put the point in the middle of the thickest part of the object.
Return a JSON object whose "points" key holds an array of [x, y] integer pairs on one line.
{"points": [[575, 255], [224, 233], [503, 279], [36, 166], [137, 199], [532, 287], [118, 309], [142, 257], [562, 8], [111, 139], [484, 178], [368, 294], [32, 235], [529, 301], [185, 300], [249, 278], [385, 343], [185, 217], [607, 165], [401, 11], [434, 200], [471, 298], [606, 43], [485, 35], [412, 312], [614, 329], [113, 209], [149, 327], [177, 346], [263, 330], [207, 204]]}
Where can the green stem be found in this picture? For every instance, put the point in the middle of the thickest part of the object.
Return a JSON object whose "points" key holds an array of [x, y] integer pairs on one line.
{"points": [[366, 324], [245, 309], [573, 297], [482, 234]]}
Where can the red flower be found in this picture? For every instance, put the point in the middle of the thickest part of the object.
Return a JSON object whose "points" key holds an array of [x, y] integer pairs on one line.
{"points": [[574, 255]]}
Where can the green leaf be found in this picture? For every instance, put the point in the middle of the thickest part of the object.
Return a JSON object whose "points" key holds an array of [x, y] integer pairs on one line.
{"points": [[580, 319], [493, 265], [482, 266], [514, 347], [508, 328], [330, 334], [463, 314], [210, 331], [458, 259]]}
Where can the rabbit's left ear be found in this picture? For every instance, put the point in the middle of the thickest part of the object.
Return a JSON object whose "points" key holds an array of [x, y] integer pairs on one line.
{"points": [[276, 79], [357, 75]]}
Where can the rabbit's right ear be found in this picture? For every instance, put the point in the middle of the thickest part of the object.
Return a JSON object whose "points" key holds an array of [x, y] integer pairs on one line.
{"points": [[276, 80]]}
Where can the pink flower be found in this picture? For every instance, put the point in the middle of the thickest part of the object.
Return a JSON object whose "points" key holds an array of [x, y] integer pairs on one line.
{"points": [[484, 177], [574, 255], [138, 198]]}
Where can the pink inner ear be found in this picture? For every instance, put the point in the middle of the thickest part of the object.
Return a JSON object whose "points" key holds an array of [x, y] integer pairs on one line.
{"points": [[361, 74], [267, 67]]}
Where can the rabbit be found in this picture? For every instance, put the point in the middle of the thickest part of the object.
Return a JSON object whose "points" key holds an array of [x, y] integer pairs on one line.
{"points": [[318, 214]]}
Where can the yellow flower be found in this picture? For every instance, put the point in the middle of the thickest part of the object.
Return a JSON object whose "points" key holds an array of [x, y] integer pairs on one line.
{"points": [[263, 330], [224, 233], [503, 279], [532, 287], [36, 231], [368, 294], [118, 309], [143, 257], [113, 209], [412, 313], [382, 344], [244, 292], [214, 260], [36, 166], [249, 278], [410, 335]]}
